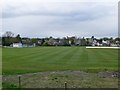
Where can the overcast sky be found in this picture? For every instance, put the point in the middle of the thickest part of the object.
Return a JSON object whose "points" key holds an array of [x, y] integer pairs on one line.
{"points": [[59, 18]]}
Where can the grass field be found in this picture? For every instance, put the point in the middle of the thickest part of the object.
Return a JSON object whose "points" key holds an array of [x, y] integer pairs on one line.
{"points": [[28, 60]]}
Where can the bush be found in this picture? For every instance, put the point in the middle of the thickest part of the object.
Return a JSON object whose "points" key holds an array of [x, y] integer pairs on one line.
{"points": [[8, 85], [45, 44]]}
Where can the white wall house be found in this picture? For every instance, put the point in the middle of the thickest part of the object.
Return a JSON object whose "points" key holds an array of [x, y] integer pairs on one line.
{"points": [[105, 42], [18, 45]]}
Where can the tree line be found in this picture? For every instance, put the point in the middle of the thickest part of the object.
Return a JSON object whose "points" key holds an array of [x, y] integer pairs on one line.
{"points": [[8, 38]]}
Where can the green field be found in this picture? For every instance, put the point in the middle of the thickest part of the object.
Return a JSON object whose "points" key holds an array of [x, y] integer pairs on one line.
{"points": [[40, 59]]}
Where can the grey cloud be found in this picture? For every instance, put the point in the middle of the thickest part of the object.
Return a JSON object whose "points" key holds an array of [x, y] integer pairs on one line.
{"points": [[59, 22], [89, 14]]}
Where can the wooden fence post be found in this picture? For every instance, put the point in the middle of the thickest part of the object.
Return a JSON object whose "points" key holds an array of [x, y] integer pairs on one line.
{"points": [[19, 81], [65, 85]]}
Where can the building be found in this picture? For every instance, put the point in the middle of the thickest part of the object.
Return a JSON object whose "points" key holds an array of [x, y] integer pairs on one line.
{"points": [[17, 45], [77, 42], [106, 43]]}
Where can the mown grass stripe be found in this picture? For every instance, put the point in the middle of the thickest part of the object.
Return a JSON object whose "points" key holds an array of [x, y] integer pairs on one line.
{"points": [[57, 58]]}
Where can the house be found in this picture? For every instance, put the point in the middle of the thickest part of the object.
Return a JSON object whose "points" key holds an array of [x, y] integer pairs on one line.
{"points": [[77, 42], [40, 41], [113, 45], [106, 43], [94, 43], [17, 45], [52, 41], [63, 42]]}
